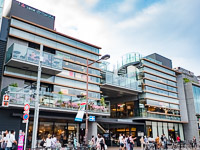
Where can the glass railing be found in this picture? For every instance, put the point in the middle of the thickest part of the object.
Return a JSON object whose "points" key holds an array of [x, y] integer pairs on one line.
{"points": [[142, 113], [128, 58], [30, 55], [20, 96], [124, 82]]}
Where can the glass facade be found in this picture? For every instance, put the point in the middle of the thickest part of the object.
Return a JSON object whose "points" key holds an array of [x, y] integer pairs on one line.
{"points": [[171, 130], [196, 94], [160, 97], [69, 83]]}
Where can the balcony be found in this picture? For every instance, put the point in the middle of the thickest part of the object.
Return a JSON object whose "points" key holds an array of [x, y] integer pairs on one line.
{"points": [[28, 58], [112, 82], [54, 102], [143, 113]]}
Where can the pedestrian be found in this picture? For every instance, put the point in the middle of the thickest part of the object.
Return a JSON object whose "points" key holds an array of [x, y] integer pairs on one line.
{"points": [[42, 143], [142, 142], [120, 141], [194, 142], [58, 145], [48, 142], [146, 142], [53, 142], [3, 142], [12, 140], [92, 143], [123, 145], [165, 141], [102, 143], [127, 140], [157, 143], [98, 142], [132, 143]]}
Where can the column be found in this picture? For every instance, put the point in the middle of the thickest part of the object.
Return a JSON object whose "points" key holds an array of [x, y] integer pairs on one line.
{"points": [[92, 130]]}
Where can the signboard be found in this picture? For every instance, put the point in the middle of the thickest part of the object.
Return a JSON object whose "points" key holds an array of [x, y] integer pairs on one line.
{"points": [[25, 116], [80, 114], [5, 101], [91, 118], [26, 107], [140, 133], [21, 140]]}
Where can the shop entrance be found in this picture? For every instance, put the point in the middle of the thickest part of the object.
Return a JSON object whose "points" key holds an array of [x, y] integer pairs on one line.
{"points": [[64, 130], [111, 132]]}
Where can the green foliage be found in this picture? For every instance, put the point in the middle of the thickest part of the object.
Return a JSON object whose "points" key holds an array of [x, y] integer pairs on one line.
{"points": [[60, 92], [102, 101], [14, 85], [186, 80], [59, 101]]}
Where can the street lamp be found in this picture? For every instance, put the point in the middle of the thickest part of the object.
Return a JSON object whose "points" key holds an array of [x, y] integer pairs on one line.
{"points": [[105, 57]]}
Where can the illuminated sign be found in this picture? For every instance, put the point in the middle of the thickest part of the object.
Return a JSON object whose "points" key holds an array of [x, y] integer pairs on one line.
{"points": [[35, 10]]}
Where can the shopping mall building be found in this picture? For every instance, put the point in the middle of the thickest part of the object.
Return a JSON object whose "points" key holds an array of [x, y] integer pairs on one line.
{"points": [[141, 96]]}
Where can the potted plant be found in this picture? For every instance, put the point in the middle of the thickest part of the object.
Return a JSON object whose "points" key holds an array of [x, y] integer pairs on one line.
{"points": [[13, 85]]}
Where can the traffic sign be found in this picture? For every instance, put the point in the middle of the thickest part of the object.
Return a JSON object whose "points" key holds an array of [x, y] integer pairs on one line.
{"points": [[25, 116], [24, 121], [91, 118], [26, 107], [26, 112], [5, 101]]}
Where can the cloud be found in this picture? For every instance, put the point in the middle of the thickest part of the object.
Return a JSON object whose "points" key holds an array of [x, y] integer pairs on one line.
{"points": [[170, 28]]}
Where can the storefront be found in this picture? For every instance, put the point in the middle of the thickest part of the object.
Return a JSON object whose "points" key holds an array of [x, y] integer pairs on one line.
{"points": [[171, 130], [64, 130], [111, 130]]}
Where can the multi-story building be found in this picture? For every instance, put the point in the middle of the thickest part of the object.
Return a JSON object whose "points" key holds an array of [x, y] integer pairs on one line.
{"points": [[31, 33], [152, 103], [1, 11], [190, 87]]}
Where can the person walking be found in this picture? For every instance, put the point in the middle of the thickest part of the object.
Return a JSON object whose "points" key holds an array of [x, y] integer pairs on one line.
{"points": [[132, 143], [127, 140], [8, 142], [3, 142], [157, 143], [165, 141], [48, 142], [92, 143], [120, 141], [194, 142], [142, 142], [102, 143]]}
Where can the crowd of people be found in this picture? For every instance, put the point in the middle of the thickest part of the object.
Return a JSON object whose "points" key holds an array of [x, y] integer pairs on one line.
{"points": [[126, 142], [7, 140], [163, 142], [51, 142]]}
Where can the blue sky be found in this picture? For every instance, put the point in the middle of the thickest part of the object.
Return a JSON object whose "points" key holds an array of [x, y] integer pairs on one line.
{"points": [[168, 27]]}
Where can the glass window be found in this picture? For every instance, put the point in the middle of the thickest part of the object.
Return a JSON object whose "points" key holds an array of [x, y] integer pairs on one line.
{"points": [[196, 95], [165, 129], [160, 129], [159, 67], [154, 128], [159, 73]]}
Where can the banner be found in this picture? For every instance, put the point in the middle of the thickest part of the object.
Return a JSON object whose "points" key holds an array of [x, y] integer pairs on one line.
{"points": [[21, 140], [81, 111]]}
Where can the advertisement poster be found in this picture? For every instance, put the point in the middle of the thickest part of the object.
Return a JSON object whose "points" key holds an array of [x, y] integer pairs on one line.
{"points": [[80, 114], [21, 140]]}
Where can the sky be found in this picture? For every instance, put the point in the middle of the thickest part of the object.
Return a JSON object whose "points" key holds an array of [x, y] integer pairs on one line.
{"points": [[168, 27]]}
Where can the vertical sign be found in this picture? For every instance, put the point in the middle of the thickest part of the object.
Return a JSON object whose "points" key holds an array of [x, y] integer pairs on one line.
{"points": [[80, 114], [21, 140]]}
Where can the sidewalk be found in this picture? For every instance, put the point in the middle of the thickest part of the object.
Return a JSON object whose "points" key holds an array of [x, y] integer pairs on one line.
{"points": [[117, 148]]}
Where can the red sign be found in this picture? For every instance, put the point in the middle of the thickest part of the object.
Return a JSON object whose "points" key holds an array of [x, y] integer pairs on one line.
{"points": [[25, 116], [26, 107]]}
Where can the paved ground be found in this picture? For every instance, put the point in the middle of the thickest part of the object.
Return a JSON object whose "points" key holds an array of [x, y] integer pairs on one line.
{"points": [[139, 148]]}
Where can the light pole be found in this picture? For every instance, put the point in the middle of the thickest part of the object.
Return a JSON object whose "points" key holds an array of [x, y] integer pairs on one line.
{"points": [[36, 111], [105, 57]]}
